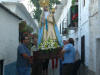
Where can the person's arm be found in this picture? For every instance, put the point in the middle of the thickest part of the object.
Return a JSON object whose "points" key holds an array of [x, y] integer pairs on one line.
{"points": [[64, 50], [23, 53], [27, 57], [62, 54]]}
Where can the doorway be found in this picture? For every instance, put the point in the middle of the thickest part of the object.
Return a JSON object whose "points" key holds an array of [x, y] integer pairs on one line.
{"points": [[83, 49], [1, 67], [98, 56]]}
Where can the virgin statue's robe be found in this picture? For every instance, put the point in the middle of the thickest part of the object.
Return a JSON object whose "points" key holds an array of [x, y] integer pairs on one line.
{"points": [[49, 30], [42, 33]]}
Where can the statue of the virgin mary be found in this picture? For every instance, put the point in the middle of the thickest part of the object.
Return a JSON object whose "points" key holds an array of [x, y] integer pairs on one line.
{"points": [[48, 29]]}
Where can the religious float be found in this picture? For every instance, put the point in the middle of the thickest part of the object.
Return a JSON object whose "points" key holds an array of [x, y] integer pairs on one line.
{"points": [[49, 39]]}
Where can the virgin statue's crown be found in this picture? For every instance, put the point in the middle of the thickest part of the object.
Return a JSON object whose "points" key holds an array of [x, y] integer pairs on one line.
{"points": [[44, 3]]}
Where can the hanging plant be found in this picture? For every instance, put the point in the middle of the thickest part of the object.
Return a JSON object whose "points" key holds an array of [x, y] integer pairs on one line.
{"points": [[73, 2], [74, 13]]}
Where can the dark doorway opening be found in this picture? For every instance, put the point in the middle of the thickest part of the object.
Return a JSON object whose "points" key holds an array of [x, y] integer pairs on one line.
{"points": [[98, 56], [1, 67], [83, 49]]}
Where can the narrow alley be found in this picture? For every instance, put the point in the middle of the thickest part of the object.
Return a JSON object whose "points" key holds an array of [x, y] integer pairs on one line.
{"points": [[49, 37]]}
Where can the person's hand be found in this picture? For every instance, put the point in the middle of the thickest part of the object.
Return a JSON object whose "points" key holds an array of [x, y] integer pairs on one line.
{"points": [[61, 56], [30, 60]]}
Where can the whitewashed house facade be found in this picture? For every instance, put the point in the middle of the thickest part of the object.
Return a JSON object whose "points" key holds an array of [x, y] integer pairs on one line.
{"points": [[9, 33], [87, 35], [61, 17], [11, 14], [94, 18], [21, 11]]}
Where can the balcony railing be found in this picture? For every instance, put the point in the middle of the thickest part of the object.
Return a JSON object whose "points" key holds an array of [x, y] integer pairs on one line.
{"points": [[73, 18]]}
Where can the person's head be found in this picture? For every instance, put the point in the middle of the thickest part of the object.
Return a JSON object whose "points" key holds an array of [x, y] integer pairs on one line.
{"points": [[46, 8], [70, 40], [64, 41], [25, 40]]}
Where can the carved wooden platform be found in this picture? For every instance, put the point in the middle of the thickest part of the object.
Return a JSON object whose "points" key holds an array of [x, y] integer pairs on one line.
{"points": [[47, 54], [40, 56]]}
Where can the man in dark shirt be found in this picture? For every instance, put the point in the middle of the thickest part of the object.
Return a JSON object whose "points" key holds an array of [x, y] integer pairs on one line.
{"points": [[23, 57]]}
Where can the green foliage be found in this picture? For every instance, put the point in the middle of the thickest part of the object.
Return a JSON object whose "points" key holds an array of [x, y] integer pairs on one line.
{"points": [[37, 14], [73, 1], [35, 35], [52, 2], [75, 11], [55, 1], [29, 29], [73, 8], [49, 44], [23, 27], [38, 10]]}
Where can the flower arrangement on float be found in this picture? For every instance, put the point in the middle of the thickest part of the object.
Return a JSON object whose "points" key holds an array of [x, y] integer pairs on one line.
{"points": [[49, 44]]}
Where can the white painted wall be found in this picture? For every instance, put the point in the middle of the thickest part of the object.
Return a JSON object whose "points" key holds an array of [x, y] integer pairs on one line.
{"points": [[83, 28], [64, 13], [95, 34], [98, 50], [11, 7], [10, 0], [22, 12], [84, 31], [9, 35], [88, 26]]}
